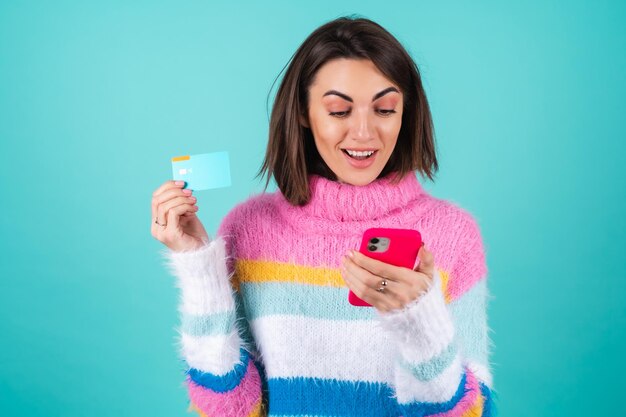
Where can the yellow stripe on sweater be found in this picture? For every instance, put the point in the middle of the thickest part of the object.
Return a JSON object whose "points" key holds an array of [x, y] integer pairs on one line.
{"points": [[445, 278], [476, 410], [193, 407], [256, 412], [267, 271], [249, 271]]}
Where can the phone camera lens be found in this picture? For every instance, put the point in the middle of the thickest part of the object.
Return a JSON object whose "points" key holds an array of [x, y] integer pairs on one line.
{"points": [[372, 248], [374, 240]]}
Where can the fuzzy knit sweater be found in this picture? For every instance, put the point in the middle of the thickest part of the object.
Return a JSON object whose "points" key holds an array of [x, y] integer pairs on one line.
{"points": [[267, 330]]}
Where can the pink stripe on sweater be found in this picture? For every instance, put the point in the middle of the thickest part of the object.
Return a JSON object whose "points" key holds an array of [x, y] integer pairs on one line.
{"points": [[470, 266], [239, 402]]}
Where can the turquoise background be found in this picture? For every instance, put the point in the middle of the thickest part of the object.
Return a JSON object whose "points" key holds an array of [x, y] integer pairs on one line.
{"points": [[96, 97]]}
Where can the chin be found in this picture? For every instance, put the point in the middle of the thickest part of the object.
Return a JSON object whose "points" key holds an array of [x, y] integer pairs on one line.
{"points": [[359, 178]]}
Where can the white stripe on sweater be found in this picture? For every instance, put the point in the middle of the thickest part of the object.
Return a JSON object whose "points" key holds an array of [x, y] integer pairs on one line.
{"points": [[203, 278], [217, 354], [292, 346]]}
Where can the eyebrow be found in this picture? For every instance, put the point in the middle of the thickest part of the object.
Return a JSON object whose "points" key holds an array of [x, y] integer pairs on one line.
{"points": [[348, 98]]}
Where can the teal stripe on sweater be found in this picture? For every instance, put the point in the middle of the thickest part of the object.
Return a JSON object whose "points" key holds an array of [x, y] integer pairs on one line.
{"points": [[206, 325], [431, 369], [242, 323], [470, 322], [263, 299], [220, 323]]}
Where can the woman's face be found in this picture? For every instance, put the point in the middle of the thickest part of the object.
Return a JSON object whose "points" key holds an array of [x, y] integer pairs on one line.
{"points": [[355, 114]]}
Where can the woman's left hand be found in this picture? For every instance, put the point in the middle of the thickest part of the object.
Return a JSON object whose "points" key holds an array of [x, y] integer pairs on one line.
{"points": [[364, 275]]}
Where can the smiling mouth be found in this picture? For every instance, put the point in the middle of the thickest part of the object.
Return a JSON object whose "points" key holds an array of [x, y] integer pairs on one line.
{"points": [[359, 156]]}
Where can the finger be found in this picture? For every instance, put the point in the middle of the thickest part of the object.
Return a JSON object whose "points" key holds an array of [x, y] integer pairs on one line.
{"points": [[392, 287], [168, 185], [378, 268], [395, 293], [174, 214], [164, 208], [167, 194], [382, 301], [362, 274], [391, 305], [427, 262], [365, 293]]}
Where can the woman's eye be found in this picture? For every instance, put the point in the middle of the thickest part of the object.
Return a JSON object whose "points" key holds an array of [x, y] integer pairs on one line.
{"points": [[384, 112]]}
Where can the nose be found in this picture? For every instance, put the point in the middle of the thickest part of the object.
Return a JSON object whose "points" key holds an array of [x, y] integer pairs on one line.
{"points": [[362, 127]]}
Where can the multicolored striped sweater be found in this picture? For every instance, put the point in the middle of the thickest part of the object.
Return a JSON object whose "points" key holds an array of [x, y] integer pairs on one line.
{"points": [[267, 330]]}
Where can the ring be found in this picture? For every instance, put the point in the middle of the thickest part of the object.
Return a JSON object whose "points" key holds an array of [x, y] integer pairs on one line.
{"points": [[157, 222], [383, 284]]}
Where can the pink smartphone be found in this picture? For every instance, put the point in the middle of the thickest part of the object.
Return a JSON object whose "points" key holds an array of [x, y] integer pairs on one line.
{"points": [[398, 247]]}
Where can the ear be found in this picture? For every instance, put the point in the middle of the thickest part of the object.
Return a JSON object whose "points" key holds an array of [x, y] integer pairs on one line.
{"points": [[303, 121]]}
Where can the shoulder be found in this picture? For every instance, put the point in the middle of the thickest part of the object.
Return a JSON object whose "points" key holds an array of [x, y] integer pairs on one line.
{"points": [[246, 222], [459, 239], [451, 219], [463, 223], [257, 208]]}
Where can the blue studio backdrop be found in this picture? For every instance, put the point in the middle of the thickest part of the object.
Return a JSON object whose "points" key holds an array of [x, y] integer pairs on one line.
{"points": [[97, 97]]}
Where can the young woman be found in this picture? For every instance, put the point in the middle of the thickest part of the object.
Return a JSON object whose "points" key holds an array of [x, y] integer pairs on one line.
{"points": [[267, 328]]}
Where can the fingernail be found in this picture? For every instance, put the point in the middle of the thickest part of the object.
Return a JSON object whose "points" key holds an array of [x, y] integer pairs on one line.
{"points": [[350, 254], [180, 182], [187, 191]]}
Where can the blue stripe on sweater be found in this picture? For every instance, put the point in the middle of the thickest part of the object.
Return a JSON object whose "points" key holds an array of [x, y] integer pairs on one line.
{"points": [[315, 396], [416, 409], [222, 383], [489, 408], [268, 298]]}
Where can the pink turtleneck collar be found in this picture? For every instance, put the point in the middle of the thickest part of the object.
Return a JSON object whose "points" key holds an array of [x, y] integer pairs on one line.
{"points": [[340, 205]]}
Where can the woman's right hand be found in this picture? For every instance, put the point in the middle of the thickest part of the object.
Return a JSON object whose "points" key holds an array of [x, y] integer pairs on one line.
{"points": [[175, 209]]}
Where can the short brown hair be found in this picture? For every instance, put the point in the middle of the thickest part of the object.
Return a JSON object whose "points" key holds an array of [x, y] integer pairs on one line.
{"points": [[291, 153]]}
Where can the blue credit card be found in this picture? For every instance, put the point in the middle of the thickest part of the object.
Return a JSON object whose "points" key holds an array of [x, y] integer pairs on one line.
{"points": [[203, 171]]}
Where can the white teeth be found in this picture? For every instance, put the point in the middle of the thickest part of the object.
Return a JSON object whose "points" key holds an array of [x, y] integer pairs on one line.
{"points": [[358, 153]]}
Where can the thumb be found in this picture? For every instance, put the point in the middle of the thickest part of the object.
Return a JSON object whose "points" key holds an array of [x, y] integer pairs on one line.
{"points": [[426, 263]]}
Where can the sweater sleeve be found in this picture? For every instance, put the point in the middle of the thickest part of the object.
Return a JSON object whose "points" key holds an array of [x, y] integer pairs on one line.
{"points": [[441, 365], [222, 377]]}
